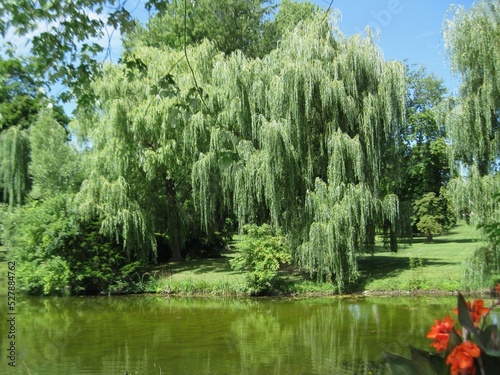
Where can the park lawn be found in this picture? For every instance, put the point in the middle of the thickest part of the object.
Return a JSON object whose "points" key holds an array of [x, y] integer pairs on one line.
{"points": [[201, 276], [436, 266]]}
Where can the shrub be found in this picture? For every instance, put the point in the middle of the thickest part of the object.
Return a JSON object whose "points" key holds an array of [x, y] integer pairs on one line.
{"points": [[57, 253], [261, 253], [479, 267]]}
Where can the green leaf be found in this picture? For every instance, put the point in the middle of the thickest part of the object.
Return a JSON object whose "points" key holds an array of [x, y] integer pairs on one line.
{"points": [[454, 340], [488, 334], [399, 365], [426, 363], [466, 321], [491, 363]]}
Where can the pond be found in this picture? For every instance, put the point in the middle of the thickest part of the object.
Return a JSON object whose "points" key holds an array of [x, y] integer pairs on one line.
{"points": [[155, 335]]}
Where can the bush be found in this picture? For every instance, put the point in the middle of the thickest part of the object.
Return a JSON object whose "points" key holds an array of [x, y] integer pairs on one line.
{"points": [[261, 255], [479, 268], [433, 214], [56, 253]]}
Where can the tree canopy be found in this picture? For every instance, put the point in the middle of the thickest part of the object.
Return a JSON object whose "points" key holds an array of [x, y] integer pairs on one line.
{"points": [[472, 39]]}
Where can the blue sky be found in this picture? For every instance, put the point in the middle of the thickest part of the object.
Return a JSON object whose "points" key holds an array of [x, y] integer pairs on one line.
{"points": [[409, 29]]}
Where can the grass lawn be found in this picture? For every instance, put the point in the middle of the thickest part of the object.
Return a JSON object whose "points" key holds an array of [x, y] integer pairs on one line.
{"points": [[201, 276], [436, 267]]}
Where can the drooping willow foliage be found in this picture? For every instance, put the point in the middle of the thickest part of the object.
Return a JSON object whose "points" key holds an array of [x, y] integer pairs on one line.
{"points": [[304, 134], [473, 42], [14, 159], [472, 39], [144, 136], [298, 139]]}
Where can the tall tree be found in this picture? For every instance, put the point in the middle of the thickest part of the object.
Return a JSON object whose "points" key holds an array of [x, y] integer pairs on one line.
{"points": [[145, 135], [472, 39], [308, 129], [231, 24], [21, 99], [425, 160], [425, 167]]}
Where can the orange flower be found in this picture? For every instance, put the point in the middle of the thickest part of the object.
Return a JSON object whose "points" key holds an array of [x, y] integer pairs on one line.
{"points": [[462, 357], [440, 332], [476, 310]]}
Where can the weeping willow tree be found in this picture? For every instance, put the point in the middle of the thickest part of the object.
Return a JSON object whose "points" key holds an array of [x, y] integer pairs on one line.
{"points": [[300, 141], [143, 137], [473, 42], [297, 139], [14, 159]]}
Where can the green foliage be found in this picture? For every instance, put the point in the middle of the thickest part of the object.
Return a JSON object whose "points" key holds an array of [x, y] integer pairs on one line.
{"points": [[433, 215], [424, 166], [252, 27], [45, 276], [54, 164], [479, 268], [472, 39], [417, 279], [14, 159], [57, 253], [230, 24], [289, 15], [34, 237], [148, 133], [303, 133], [473, 197], [64, 37], [21, 100], [261, 253]]}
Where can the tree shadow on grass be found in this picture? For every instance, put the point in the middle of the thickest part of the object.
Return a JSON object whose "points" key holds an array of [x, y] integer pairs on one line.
{"points": [[385, 266], [442, 240], [200, 266]]}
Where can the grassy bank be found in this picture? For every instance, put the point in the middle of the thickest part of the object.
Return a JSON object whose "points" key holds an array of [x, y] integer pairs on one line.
{"points": [[436, 266]]}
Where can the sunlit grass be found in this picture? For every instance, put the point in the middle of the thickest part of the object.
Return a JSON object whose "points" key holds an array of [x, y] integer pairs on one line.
{"points": [[201, 276], [435, 266]]}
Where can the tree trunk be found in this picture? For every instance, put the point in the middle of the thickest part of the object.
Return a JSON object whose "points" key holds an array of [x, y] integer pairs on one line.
{"points": [[175, 245], [174, 223], [429, 236]]}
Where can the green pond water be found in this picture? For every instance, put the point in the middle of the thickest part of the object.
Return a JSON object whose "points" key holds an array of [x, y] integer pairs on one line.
{"points": [[155, 335]]}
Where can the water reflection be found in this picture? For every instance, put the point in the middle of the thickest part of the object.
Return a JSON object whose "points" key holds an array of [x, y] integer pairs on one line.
{"points": [[153, 335]]}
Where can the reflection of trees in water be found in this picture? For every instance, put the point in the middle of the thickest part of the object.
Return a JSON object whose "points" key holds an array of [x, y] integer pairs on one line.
{"points": [[186, 336]]}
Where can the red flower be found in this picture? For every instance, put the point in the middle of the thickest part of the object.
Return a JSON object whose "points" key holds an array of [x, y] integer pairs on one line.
{"points": [[440, 332], [462, 357], [476, 310]]}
